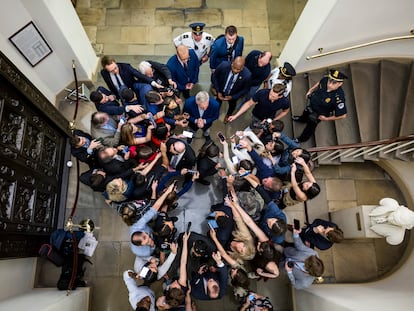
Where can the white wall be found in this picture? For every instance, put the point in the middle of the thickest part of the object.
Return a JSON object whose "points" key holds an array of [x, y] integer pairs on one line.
{"points": [[61, 27], [335, 24]]}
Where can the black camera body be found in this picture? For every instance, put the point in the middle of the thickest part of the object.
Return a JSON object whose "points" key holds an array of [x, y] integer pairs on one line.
{"points": [[290, 264]]}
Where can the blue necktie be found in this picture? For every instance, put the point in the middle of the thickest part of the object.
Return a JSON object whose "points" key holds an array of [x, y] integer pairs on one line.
{"points": [[229, 85]]}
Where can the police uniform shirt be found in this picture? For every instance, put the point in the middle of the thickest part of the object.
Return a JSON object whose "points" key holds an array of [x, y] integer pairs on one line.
{"points": [[275, 80], [324, 102], [200, 48], [265, 108]]}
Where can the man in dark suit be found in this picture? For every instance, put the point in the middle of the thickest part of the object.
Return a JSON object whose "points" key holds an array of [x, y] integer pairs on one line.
{"points": [[84, 148], [119, 75], [115, 164], [180, 154], [226, 48], [203, 111], [231, 81], [210, 285], [184, 67]]}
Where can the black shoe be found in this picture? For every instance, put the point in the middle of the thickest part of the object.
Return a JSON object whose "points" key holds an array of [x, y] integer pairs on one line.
{"points": [[173, 219], [203, 182]]}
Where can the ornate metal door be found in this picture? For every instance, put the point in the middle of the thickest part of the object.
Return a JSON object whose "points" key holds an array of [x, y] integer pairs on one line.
{"points": [[32, 151]]}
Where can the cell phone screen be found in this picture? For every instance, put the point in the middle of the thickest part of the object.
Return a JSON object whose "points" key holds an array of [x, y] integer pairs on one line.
{"points": [[296, 224], [221, 136]]}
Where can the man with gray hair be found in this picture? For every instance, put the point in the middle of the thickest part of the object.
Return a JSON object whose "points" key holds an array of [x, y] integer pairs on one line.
{"points": [[203, 111]]}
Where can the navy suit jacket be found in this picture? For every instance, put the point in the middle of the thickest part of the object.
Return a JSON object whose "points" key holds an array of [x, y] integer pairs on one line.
{"points": [[128, 74], [179, 75], [210, 114], [240, 87], [197, 283], [81, 153], [218, 52], [188, 160]]}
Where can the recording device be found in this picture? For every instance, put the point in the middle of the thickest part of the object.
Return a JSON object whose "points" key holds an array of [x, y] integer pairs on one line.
{"points": [[188, 134], [244, 174], [251, 297], [191, 171], [221, 136], [296, 224], [125, 150], [122, 120], [188, 227], [152, 120], [210, 225], [144, 272], [100, 139], [170, 89], [165, 247], [290, 264]]}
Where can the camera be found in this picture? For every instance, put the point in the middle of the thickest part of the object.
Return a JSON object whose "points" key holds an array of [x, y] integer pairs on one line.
{"points": [[290, 264], [170, 89], [165, 247]]}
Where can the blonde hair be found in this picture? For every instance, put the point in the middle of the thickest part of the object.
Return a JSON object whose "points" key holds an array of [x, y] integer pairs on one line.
{"points": [[242, 234], [116, 193]]}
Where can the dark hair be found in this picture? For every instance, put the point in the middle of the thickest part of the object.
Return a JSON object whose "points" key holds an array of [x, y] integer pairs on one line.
{"points": [[95, 120], [240, 279], [223, 221], [279, 88], [336, 235], [138, 179], [161, 131], [278, 148], [107, 60], [134, 235], [305, 155], [231, 30], [127, 94], [209, 149], [214, 290], [277, 126], [141, 309], [96, 180], [165, 231], [200, 247], [175, 297], [171, 199], [74, 140], [314, 266], [144, 152], [278, 228], [96, 97], [312, 191], [153, 97], [267, 251], [246, 164]]}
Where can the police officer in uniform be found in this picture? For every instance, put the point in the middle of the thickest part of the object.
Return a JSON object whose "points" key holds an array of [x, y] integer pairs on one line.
{"points": [[197, 40], [281, 75], [326, 102]]}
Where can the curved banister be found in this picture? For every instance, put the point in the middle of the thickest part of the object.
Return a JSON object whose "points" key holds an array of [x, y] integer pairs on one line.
{"points": [[363, 144], [360, 46]]}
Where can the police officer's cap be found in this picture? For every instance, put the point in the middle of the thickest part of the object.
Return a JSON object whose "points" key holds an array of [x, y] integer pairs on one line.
{"points": [[337, 75], [287, 70], [197, 28]]}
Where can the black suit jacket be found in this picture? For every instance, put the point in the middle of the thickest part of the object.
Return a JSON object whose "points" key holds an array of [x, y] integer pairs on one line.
{"points": [[188, 160], [128, 74], [81, 152], [240, 87], [197, 283], [118, 169]]}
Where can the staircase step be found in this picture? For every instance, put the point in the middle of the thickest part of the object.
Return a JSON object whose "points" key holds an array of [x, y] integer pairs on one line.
{"points": [[325, 134], [393, 89], [365, 78]]}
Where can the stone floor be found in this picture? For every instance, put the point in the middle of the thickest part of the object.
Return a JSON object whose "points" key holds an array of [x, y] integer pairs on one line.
{"points": [[135, 30]]}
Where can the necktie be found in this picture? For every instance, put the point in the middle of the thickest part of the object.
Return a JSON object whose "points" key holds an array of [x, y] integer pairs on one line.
{"points": [[185, 65], [118, 80], [229, 84], [174, 161]]}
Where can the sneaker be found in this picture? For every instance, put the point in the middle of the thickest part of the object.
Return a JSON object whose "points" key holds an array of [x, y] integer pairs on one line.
{"points": [[203, 182]]}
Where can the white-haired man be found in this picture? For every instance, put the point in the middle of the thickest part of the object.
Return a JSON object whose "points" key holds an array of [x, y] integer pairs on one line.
{"points": [[203, 111]]}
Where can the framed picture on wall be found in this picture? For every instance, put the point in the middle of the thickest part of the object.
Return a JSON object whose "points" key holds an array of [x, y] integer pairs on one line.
{"points": [[30, 43]]}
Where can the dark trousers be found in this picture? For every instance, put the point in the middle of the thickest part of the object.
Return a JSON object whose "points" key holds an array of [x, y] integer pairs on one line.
{"points": [[311, 120], [232, 106]]}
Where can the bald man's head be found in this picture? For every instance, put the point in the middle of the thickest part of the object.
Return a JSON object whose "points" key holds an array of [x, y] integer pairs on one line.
{"points": [[238, 64]]}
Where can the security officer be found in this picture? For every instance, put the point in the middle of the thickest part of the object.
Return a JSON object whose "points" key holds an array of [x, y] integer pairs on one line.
{"points": [[197, 40], [326, 102], [282, 75]]}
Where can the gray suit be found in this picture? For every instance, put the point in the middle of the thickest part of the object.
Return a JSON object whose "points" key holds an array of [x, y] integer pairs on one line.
{"points": [[110, 137], [299, 253]]}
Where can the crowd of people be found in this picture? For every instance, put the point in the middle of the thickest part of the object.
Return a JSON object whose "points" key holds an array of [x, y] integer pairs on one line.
{"points": [[140, 144]]}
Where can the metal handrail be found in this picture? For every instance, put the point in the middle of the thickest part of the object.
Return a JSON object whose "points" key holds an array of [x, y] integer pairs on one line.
{"points": [[360, 46], [364, 148]]}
